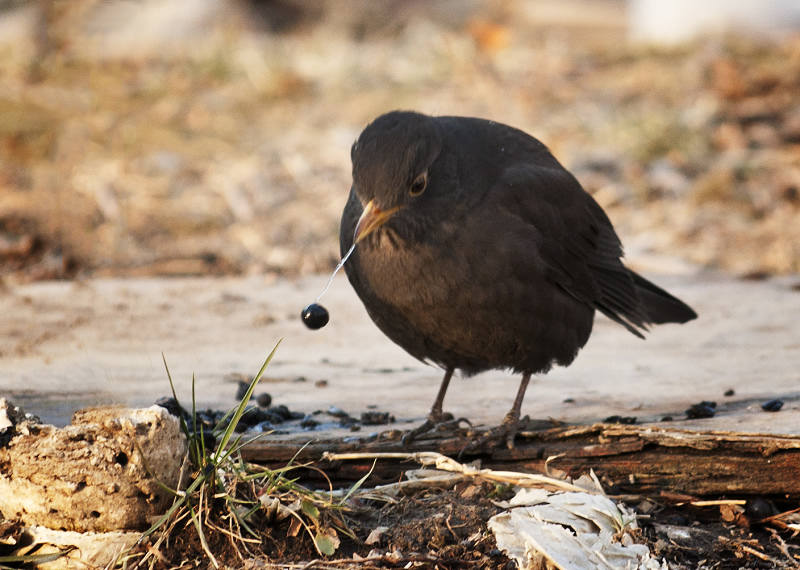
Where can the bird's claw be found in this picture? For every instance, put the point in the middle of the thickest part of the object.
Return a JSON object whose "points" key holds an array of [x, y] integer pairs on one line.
{"points": [[506, 432], [442, 423]]}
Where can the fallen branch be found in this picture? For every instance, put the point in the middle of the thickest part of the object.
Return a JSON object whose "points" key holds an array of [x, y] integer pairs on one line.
{"points": [[641, 459]]}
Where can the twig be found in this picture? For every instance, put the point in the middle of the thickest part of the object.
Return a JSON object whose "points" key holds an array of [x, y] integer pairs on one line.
{"points": [[777, 518], [756, 553], [450, 528], [444, 463], [783, 547]]}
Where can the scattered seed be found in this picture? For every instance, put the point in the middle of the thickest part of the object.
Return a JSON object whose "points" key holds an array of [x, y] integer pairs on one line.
{"points": [[625, 420], [376, 418], [704, 409]]}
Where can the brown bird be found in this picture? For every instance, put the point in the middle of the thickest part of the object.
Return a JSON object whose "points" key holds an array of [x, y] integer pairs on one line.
{"points": [[476, 250]]}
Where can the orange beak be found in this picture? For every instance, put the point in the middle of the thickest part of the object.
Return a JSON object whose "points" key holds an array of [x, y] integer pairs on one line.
{"points": [[371, 219]]}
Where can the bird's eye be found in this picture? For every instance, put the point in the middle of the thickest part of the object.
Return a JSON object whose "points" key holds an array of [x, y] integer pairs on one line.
{"points": [[419, 184]]}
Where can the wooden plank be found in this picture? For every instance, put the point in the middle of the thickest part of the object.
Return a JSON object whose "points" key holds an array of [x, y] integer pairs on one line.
{"points": [[642, 459]]}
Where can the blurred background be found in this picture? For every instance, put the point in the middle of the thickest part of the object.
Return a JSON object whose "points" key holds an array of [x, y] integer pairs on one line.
{"points": [[196, 137]]}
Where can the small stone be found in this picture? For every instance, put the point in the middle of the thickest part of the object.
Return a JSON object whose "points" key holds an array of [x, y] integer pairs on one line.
{"points": [[347, 420], [171, 405], [704, 409], [281, 411], [759, 508], [337, 412], [308, 423], [772, 405], [625, 420], [241, 389], [265, 426], [372, 418]]}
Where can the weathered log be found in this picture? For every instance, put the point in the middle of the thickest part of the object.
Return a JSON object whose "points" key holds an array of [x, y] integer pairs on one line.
{"points": [[641, 459]]}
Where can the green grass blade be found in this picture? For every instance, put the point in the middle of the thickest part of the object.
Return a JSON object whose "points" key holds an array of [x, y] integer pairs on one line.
{"points": [[184, 426], [226, 436], [179, 502], [34, 558], [357, 485]]}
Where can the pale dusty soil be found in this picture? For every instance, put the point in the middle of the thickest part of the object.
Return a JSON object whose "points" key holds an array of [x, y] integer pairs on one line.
{"points": [[68, 344]]}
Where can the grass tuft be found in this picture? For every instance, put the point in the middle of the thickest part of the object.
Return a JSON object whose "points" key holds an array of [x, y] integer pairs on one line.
{"points": [[228, 503]]}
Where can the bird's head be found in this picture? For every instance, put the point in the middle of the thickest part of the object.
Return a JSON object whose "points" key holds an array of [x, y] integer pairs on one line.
{"points": [[392, 161]]}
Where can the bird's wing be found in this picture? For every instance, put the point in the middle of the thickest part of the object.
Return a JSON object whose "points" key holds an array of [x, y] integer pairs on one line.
{"points": [[573, 238]]}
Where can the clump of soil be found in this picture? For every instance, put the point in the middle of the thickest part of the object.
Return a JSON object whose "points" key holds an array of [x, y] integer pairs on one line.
{"points": [[690, 537], [448, 524], [440, 528]]}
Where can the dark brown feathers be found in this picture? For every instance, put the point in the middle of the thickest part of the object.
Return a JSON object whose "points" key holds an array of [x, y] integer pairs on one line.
{"points": [[503, 259]]}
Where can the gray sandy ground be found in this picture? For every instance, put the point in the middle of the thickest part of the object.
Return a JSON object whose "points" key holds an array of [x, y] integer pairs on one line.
{"points": [[65, 345]]}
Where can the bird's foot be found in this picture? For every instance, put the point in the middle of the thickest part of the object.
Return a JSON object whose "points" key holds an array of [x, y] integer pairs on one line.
{"points": [[435, 423], [504, 433]]}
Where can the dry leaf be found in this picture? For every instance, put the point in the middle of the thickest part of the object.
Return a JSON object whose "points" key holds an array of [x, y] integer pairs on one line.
{"points": [[572, 531]]}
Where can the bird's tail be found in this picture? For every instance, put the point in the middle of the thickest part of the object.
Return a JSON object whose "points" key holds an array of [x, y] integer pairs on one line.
{"points": [[660, 306]]}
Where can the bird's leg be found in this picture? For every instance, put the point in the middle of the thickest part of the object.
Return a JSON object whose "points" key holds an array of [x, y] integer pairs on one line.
{"points": [[511, 421], [514, 413], [435, 417], [507, 430]]}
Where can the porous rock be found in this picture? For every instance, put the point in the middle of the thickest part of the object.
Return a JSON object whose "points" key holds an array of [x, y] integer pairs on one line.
{"points": [[101, 473]]}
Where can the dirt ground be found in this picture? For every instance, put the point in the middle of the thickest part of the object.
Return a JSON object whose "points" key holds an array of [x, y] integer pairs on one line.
{"points": [[446, 529], [434, 529], [101, 341], [71, 344]]}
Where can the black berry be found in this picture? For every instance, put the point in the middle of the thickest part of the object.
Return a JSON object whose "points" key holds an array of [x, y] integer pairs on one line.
{"points": [[704, 409], [772, 406], [315, 316]]}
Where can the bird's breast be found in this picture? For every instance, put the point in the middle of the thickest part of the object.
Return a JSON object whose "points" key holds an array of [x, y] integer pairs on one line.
{"points": [[406, 276], [476, 301]]}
